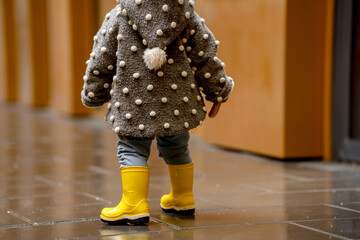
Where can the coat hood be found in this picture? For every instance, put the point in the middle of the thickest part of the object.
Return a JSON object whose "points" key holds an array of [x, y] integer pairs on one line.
{"points": [[159, 22]]}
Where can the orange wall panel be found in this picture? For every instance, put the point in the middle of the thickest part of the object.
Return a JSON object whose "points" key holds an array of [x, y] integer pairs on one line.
{"points": [[40, 51], [83, 29], [304, 95], [31, 40], [71, 29], [3, 75], [253, 47], [60, 55], [327, 79], [276, 51], [23, 42], [8, 59]]}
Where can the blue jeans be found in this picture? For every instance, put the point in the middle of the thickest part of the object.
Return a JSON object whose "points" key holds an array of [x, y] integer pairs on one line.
{"points": [[134, 152]]}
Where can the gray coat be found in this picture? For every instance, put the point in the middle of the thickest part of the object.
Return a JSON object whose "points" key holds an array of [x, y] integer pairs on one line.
{"points": [[153, 59]]}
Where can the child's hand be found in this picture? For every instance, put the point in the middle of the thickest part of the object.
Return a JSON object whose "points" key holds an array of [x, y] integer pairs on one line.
{"points": [[215, 108]]}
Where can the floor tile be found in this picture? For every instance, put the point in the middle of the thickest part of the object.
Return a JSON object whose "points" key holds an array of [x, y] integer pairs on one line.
{"points": [[330, 167], [7, 220], [29, 190], [256, 215], [81, 177], [12, 182], [291, 185], [263, 231], [54, 200], [85, 229], [288, 198], [351, 206], [59, 214], [345, 228]]}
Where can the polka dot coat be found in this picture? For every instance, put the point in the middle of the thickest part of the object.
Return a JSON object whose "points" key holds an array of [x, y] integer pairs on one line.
{"points": [[154, 61]]}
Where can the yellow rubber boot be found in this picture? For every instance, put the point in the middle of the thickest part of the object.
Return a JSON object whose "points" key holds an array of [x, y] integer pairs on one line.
{"points": [[133, 208], [181, 198]]}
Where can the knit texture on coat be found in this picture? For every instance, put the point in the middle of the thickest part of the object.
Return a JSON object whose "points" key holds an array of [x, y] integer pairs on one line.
{"points": [[154, 102]]}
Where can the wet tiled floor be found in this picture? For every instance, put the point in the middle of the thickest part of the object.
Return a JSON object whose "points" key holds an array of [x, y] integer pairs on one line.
{"points": [[57, 173]]}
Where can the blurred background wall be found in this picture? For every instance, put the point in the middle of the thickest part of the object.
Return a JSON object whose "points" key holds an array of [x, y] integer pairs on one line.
{"points": [[279, 53]]}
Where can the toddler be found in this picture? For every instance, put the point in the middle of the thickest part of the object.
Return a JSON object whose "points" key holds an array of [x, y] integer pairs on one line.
{"points": [[151, 60]]}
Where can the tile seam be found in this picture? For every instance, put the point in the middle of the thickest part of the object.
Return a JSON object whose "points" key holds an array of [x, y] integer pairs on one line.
{"points": [[14, 226], [318, 190], [95, 197], [25, 219], [47, 181], [319, 231], [172, 226], [339, 207]]}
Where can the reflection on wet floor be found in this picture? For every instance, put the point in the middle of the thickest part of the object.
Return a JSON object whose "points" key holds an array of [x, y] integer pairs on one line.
{"points": [[57, 173]]}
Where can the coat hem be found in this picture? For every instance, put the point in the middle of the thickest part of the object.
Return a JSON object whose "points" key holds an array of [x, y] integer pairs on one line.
{"points": [[170, 133]]}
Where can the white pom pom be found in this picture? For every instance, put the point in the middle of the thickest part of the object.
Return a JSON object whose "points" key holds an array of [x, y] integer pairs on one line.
{"points": [[148, 17], [154, 58]]}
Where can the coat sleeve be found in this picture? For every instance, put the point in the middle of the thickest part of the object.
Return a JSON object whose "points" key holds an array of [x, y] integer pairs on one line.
{"points": [[207, 67], [101, 67]]}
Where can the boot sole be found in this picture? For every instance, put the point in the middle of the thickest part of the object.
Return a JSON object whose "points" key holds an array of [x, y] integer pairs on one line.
{"points": [[126, 221], [181, 212]]}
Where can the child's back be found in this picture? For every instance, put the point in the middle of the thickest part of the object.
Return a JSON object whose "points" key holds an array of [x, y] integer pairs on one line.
{"points": [[153, 59]]}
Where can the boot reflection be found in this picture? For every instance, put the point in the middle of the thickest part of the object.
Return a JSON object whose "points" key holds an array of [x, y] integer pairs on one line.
{"points": [[183, 235], [125, 232], [180, 220]]}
